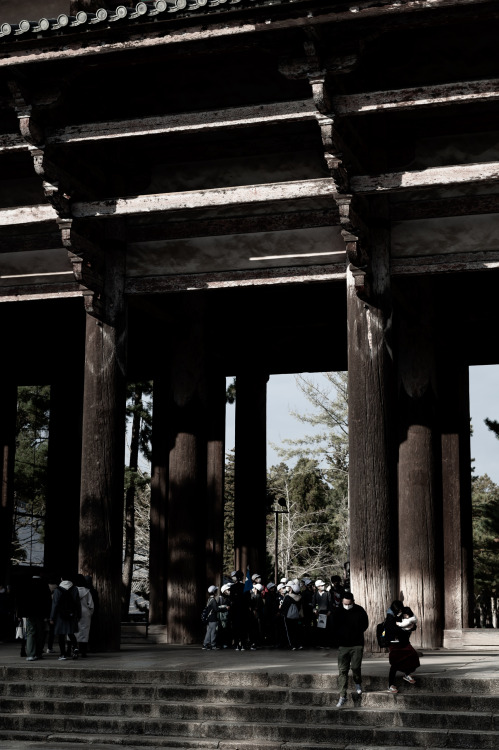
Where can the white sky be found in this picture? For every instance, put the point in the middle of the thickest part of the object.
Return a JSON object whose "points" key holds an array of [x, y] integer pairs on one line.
{"points": [[283, 396]]}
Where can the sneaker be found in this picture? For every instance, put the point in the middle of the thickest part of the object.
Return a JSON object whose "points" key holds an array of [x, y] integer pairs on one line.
{"points": [[31, 658], [206, 648], [76, 653], [341, 702], [409, 678], [358, 688], [63, 658], [392, 689], [50, 651]]}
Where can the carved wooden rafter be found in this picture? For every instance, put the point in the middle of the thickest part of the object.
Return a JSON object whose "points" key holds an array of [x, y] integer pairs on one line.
{"points": [[353, 228], [84, 256]]}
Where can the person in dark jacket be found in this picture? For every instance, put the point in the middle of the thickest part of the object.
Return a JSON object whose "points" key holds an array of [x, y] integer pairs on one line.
{"points": [[65, 614], [34, 604], [210, 639], [352, 622], [400, 622]]}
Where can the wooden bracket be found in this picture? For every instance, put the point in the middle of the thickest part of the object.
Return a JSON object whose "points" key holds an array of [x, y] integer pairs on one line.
{"points": [[84, 255]]}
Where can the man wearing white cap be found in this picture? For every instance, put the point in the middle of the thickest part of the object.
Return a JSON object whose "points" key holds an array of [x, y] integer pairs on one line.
{"points": [[210, 613]]}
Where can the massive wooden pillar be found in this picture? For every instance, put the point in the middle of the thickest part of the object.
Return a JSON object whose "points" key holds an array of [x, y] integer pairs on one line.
{"points": [[420, 525], [187, 480], [103, 449], [195, 473], [215, 477], [8, 413], [159, 501], [62, 514], [456, 497], [371, 436], [250, 481]]}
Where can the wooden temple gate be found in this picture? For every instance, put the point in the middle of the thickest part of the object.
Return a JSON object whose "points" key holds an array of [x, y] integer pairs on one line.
{"points": [[191, 190]]}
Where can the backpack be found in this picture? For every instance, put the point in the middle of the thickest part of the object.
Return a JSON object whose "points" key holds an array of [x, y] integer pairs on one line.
{"points": [[66, 604], [207, 611], [381, 635]]}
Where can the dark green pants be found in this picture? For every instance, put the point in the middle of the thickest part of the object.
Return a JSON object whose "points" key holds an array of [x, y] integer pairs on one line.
{"points": [[349, 657]]}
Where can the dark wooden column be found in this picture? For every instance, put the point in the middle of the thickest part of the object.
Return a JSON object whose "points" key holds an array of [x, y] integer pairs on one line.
{"points": [[371, 436], [187, 494], [159, 501], [456, 496], [8, 413], [250, 480], [103, 448], [62, 515], [215, 478], [420, 524]]}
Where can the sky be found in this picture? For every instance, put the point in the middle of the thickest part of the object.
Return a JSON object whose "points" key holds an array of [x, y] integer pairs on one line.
{"points": [[283, 396]]}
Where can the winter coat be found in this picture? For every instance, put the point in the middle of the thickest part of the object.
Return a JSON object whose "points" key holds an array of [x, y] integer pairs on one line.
{"points": [[351, 625], [87, 610], [62, 625]]}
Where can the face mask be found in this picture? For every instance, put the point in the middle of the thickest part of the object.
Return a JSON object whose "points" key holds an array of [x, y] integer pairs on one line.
{"points": [[347, 606]]}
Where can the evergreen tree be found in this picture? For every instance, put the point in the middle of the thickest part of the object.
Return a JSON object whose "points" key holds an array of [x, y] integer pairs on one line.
{"points": [[322, 463], [30, 470], [486, 548], [139, 412]]}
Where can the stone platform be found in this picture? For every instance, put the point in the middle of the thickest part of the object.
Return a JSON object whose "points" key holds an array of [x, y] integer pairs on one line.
{"points": [[181, 697]]}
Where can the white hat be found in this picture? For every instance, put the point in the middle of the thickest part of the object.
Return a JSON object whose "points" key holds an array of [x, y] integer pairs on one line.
{"points": [[225, 587], [270, 585], [284, 580], [212, 589], [295, 588], [280, 587], [319, 582], [233, 573], [258, 587], [307, 581], [255, 576]]}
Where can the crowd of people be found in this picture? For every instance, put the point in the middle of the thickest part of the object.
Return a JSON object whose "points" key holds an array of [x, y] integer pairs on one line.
{"points": [[297, 614], [45, 610], [292, 614]]}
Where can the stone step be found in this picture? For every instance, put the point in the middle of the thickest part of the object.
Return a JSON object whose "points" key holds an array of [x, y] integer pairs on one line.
{"points": [[271, 713], [83, 673], [408, 697], [351, 727]]}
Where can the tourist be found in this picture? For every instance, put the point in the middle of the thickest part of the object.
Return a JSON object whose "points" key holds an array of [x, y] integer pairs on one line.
{"points": [[307, 600], [322, 609], [352, 623], [6, 615], [211, 620], [336, 594], [34, 604], [292, 614], [65, 614], [87, 610], [400, 622], [240, 609], [224, 633]]}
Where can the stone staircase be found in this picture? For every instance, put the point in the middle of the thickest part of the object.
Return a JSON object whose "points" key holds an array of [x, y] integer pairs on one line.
{"points": [[57, 706]]}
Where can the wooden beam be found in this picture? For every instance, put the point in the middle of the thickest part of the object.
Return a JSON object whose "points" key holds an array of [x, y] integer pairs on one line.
{"points": [[448, 263], [415, 98], [228, 279], [395, 182], [149, 231], [187, 122], [462, 206], [215, 197], [27, 215]]}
